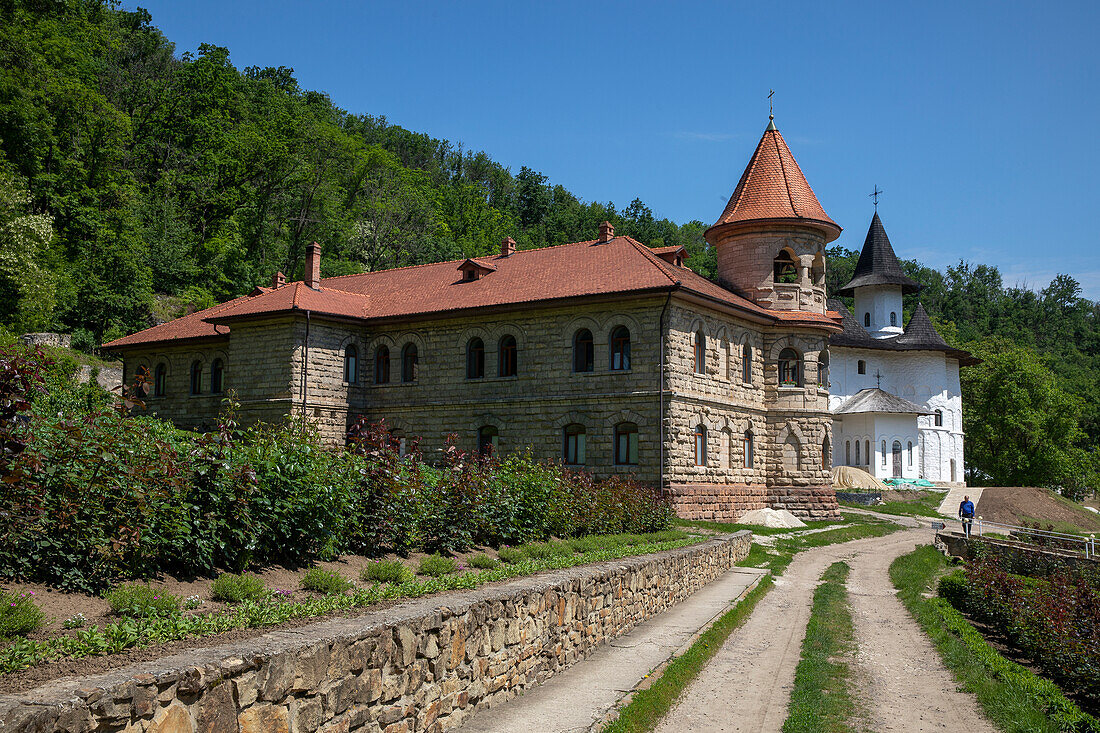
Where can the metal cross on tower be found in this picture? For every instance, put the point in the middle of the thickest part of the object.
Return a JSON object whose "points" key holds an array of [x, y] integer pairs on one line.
{"points": [[771, 107], [878, 379], [874, 195]]}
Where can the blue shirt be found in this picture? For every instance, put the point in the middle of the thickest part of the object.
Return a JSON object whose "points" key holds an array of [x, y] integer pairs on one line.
{"points": [[966, 509]]}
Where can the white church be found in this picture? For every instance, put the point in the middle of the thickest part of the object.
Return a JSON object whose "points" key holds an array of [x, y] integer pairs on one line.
{"points": [[894, 392]]}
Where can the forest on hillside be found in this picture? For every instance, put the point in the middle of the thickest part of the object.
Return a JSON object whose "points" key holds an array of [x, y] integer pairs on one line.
{"points": [[138, 183]]}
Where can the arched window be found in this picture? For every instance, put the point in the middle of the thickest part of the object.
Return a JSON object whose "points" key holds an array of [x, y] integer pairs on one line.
{"points": [[351, 364], [861, 367], [700, 445], [858, 462], [909, 448], [626, 444], [573, 445], [884, 454], [749, 449], [823, 369], [895, 453], [746, 364], [866, 320], [584, 355], [867, 452], [700, 352], [939, 418], [160, 380], [475, 359], [196, 377], [620, 348], [488, 440], [785, 269], [848, 452], [382, 365], [788, 368], [410, 363], [217, 377], [508, 357], [893, 318]]}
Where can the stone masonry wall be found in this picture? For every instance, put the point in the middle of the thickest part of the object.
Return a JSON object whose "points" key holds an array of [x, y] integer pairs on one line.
{"points": [[746, 257], [424, 665]]}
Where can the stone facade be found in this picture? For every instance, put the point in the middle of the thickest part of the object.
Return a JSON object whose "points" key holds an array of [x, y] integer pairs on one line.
{"points": [[424, 665], [746, 259]]}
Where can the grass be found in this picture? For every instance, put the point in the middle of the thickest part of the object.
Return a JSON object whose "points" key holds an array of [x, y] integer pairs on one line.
{"points": [[511, 555], [116, 637], [648, 706], [325, 581], [385, 571], [754, 528], [481, 561], [924, 505], [234, 588], [19, 615], [436, 566], [822, 697], [1012, 697], [138, 600]]}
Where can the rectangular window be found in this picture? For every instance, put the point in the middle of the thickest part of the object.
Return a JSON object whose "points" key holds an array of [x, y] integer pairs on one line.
{"points": [[574, 448], [626, 446]]}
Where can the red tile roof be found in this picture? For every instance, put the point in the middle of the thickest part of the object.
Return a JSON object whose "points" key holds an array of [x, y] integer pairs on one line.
{"points": [[773, 187], [619, 266]]}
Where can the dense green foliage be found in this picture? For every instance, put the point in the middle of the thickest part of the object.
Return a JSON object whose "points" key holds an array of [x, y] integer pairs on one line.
{"points": [[19, 615], [92, 494], [1013, 697], [184, 177], [234, 588]]}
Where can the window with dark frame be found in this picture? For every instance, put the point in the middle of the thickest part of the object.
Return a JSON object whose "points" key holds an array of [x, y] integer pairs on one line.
{"points": [[160, 380], [620, 349], [475, 359], [746, 364], [789, 368], [700, 445], [573, 445], [748, 449], [488, 440], [196, 377], [508, 365], [351, 364], [700, 352], [584, 354], [410, 363], [939, 418], [217, 377], [626, 444], [861, 367], [382, 365]]}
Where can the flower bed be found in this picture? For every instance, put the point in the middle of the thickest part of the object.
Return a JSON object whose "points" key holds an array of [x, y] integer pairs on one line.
{"points": [[1054, 621]]}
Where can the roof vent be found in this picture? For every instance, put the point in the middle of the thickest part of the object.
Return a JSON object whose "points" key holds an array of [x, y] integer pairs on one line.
{"points": [[278, 280], [507, 247], [606, 232]]}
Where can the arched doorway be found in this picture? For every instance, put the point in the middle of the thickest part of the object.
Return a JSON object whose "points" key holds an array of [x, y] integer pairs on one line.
{"points": [[896, 451]]}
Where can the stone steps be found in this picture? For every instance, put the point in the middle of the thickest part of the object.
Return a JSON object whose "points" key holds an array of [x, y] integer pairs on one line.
{"points": [[949, 507]]}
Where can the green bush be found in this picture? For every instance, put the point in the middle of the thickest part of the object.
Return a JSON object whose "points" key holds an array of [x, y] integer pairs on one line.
{"points": [[385, 571], [234, 588], [537, 550], [325, 581], [19, 615], [436, 566], [138, 600], [952, 588], [511, 555], [483, 561]]}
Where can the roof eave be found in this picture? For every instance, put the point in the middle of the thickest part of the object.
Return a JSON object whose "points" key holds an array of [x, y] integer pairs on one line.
{"points": [[831, 229]]}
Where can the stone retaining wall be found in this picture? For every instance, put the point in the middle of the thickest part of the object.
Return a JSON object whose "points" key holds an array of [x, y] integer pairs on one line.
{"points": [[729, 502], [423, 665]]}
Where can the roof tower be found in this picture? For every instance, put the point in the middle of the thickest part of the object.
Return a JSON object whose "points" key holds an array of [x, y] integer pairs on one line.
{"points": [[878, 265]]}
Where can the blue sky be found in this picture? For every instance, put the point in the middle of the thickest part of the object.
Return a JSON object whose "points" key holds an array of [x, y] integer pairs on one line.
{"points": [[977, 119]]}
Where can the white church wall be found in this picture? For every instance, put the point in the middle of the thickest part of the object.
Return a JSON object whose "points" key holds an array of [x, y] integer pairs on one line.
{"points": [[879, 303], [928, 378]]}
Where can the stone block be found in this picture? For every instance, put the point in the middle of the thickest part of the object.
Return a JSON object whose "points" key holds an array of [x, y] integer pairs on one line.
{"points": [[264, 718]]}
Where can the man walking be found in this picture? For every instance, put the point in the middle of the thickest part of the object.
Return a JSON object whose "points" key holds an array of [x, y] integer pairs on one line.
{"points": [[966, 514]]}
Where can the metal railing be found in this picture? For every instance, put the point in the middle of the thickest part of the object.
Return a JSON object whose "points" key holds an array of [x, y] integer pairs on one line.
{"points": [[1041, 537]]}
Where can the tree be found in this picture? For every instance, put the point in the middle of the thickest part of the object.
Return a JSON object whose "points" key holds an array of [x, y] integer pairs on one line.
{"points": [[1022, 428], [26, 284]]}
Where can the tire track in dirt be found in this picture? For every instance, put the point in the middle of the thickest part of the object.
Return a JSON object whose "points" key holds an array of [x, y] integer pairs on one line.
{"points": [[746, 686]]}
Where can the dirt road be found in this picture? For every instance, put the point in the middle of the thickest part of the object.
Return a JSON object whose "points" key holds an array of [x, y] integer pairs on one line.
{"points": [[747, 685]]}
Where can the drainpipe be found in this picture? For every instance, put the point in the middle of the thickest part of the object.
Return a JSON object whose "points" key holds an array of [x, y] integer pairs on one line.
{"points": [[661, 389], [305, 368]]}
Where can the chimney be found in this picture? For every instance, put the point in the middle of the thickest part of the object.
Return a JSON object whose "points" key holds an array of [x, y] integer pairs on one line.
{"points": [[312, 276], [507, 246], [278, 280], [606, 232]]}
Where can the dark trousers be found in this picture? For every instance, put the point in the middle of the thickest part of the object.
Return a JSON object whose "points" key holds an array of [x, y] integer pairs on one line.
{"points": [[966, 522]]}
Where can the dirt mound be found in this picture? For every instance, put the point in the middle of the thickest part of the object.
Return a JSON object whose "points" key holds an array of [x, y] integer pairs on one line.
{"points": [[1016, 504]]}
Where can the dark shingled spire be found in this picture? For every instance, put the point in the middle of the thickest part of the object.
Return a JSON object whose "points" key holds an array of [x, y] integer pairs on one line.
{"points": [[878, 265], [920, 333]]}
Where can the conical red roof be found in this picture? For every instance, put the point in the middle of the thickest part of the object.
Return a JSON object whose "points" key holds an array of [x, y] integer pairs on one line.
{"points": [[773, 188]]}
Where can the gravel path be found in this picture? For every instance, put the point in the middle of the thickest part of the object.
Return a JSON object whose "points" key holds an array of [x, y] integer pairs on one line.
{"points": [[747, 685]]}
